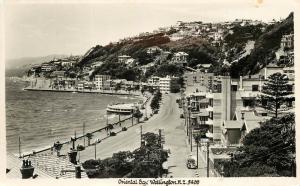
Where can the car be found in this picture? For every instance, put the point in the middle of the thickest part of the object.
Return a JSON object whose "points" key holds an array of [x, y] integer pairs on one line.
{"points": [[191, 162]]}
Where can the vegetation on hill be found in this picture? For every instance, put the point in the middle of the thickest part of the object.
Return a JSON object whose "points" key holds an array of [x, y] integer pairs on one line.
{"points": [[264, 48], [133, 47], [241, 34], [118, 70], [200, 50]]}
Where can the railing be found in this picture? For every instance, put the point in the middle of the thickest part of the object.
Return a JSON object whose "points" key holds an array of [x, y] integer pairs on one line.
{"points": [[79, 137]]}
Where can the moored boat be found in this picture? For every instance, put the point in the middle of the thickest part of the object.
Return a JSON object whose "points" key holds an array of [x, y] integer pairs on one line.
{"points": [[121, 108]]}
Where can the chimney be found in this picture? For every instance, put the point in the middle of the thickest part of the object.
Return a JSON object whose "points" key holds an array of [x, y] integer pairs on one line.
{"points": [[226, 98], [241, 83]]}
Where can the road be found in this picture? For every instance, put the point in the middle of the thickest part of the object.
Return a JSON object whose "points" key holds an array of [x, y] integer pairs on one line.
{"points": [[175, 139]]}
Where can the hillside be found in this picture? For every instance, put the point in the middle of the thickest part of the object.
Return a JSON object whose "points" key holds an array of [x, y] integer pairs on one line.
{"points": [[20, 66], [264, 48], [239, 47]]}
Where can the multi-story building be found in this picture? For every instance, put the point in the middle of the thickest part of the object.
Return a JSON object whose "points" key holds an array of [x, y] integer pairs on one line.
{"points": [[100, 81], [287, 41], [67, 63], [180, 58], [124, 59], [222, 110], [47, 68], [168, 84], [199, 78]]}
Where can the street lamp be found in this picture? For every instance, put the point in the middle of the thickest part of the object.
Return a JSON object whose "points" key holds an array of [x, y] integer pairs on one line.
{"points": [[189, 124], [197, 141], [95, 150], [95, 144]]}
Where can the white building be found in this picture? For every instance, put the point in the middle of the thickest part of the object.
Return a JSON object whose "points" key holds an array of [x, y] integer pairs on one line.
{"points": [[47, 68], [128, 60], [180, 57], [166, 84], [287, 41], [100, 81], [123, 58]]}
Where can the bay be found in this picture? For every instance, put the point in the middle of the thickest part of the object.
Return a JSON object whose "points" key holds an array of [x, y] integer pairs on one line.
{"points": [[40, 117]]}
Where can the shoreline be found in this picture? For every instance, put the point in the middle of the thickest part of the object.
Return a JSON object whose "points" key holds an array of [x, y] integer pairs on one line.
{"points": [[46, 148], [78, 91]]}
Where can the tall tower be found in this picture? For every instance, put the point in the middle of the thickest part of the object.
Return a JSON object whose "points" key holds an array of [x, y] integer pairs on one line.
{"points": [[226, 98]]}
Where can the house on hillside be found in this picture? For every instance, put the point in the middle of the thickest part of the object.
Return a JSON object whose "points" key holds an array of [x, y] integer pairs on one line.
{"points": [[287, 41], [128, 60], [203, 67], [154, 49], [180, 58]]}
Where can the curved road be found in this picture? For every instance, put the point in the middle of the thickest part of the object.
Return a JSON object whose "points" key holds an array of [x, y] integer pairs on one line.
{"points": [[168, 120]]}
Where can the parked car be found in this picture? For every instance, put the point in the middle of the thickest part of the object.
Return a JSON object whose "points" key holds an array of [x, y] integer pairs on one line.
{"points": [[191, 162]]}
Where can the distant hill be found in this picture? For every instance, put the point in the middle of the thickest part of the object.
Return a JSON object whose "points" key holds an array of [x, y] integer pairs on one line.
{"points": [[19, 67], [27, 61]]}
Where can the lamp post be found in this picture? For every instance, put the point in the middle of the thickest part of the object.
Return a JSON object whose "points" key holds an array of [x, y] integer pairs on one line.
{"points": [[189, 124], [197, 153], [95, 143]]}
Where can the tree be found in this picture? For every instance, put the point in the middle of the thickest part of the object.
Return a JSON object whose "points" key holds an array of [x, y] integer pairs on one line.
{"points": [[138, 114], [118, 87], [275, 92], [143, 162], [89, 137], [266, 151]]}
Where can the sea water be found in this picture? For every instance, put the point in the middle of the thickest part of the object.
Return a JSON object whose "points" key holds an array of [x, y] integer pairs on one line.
{"points": [[41, 117]]}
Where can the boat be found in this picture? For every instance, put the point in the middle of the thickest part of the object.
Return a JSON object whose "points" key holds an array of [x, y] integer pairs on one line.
{"points": [[122, 108]]}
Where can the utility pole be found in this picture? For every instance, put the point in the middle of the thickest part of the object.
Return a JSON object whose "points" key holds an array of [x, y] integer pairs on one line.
{"points": [[159, 137], [146, 110], [106, 119], [197, 154], [132, 119], [95, 151], [141, 135], [207, 159], [191, 138], [189, 125], [19, 146], [83, 133]]}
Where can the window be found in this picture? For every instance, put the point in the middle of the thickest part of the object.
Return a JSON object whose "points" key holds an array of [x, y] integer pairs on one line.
{"points": [[233, 87], [254, 87]]}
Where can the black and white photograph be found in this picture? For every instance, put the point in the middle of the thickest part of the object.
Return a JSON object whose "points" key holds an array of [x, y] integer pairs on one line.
{"points": [[166, 90]]}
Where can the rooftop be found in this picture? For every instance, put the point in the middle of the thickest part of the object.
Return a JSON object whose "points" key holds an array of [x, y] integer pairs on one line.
{"points": [[232, 124], [250, 125]]}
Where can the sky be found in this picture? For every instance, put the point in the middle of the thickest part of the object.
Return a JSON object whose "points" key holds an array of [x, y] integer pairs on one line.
{"points": [[40, 28]]}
